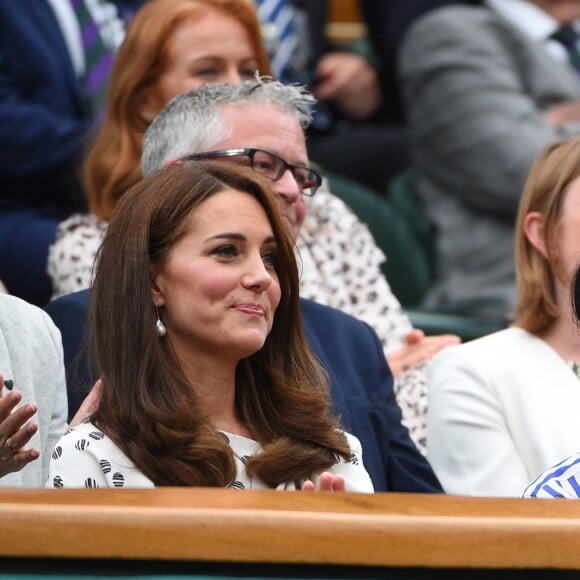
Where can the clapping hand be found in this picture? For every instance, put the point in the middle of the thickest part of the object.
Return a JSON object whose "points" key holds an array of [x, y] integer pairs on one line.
{"points": [[16, 430]]}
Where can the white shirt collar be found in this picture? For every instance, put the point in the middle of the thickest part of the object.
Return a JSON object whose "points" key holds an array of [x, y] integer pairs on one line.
{"points": [[70, 31], [526, 17], [104, 13]]}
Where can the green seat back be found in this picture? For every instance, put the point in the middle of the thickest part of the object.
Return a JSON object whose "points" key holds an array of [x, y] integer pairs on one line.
{"points": [[408, 265]]}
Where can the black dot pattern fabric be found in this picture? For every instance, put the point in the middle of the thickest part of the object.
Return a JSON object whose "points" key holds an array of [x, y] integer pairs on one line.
{"points": [[86, 457]]}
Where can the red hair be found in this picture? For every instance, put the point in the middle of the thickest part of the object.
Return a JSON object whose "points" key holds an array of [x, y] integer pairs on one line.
{"points": [[113, 163]]}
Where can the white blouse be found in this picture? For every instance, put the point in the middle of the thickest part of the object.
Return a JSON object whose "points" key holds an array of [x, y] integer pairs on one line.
{"points": [[86, 457]]}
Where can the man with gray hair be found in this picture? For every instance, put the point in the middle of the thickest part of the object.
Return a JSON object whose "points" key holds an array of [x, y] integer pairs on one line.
{"points": [[193, 122], [260, 124]]}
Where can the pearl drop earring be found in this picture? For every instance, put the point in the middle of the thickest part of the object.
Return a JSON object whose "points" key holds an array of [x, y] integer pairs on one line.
{"points": [[159, 326]]}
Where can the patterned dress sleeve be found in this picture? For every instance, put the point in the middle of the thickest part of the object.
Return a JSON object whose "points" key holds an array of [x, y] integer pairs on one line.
{"points": [[560, 481], [86, 458], [412, 396]]}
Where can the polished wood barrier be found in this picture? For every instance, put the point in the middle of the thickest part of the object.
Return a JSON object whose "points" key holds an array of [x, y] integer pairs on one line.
{"points": [[292, 528]]}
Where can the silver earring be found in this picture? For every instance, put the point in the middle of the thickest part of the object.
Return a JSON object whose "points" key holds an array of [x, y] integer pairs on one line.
{"points": [[159, 326]]}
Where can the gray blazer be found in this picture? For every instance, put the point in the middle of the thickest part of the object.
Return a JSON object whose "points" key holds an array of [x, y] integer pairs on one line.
{"points": [[31, 356], [476, 89]]}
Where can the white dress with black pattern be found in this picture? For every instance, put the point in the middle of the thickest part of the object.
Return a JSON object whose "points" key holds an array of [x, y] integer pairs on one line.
{"points": [[86, 457]]}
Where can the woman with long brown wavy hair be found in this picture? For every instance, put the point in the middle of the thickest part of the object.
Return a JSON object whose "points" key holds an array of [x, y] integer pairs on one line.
{"points": [[207, 378], [174, 45]]}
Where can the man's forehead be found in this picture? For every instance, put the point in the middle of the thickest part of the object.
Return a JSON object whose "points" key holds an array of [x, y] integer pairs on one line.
{"points": [[251, 108], [257, 121], [262, 125]]}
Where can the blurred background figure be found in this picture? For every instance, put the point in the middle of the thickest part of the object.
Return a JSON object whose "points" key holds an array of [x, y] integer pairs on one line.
{"points": [[503, 408], [386, 24], [351, 133], [358, 130], [54, 58], [486, 88]]}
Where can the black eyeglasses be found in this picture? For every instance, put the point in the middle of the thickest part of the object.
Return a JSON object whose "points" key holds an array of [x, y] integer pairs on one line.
{"points": [[268, 164]]}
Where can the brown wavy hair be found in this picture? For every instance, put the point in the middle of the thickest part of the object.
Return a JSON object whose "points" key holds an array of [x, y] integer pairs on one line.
{"points": [[113, 163], [557, 166], [147, 407], [576, 295]]}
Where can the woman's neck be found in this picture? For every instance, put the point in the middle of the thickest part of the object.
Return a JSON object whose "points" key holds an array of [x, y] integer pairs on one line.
{"points": [[214, 382], [566, 344]]}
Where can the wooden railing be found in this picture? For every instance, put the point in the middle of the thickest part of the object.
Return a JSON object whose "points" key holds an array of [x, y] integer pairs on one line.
{"points": [[200, 525]]}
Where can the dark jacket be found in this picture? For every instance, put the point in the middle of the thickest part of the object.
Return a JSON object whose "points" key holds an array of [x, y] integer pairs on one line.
{"points": [[43, 117]]}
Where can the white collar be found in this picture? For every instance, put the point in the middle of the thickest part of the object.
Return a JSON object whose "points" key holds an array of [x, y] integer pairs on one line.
{"points": [[526, 17]]}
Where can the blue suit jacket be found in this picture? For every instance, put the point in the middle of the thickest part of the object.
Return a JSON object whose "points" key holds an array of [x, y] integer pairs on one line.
{"points": [[43, 117], [361, 387]]}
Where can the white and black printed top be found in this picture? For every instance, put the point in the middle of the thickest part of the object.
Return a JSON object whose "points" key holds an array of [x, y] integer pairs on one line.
{"points": [[86, 457]]}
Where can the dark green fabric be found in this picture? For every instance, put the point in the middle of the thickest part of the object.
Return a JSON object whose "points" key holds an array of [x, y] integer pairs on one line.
{"points": [[408, 267]]}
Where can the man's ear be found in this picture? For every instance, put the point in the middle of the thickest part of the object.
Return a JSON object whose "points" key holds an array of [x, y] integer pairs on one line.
{"points": [[534, 232], [156, 292]]}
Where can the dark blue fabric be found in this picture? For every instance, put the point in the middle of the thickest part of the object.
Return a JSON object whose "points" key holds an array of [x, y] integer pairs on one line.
{"points": [[387, 22], [362, 393], [25, 236], [361, 387], [44, 126], [42, 118]]}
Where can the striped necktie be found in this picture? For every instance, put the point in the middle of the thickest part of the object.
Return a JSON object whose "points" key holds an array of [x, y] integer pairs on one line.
{"points": [[98, 59], [568, 38], [280, 37]]}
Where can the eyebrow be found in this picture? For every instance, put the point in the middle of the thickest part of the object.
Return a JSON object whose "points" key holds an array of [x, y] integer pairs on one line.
{"points": [[239, 237]]}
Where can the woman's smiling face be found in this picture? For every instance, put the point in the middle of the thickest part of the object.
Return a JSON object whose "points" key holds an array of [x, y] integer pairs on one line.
{"points": [[218, 288]]}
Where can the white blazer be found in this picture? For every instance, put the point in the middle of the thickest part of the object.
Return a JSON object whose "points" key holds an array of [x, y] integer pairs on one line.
{"points": [[502, 409]]}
